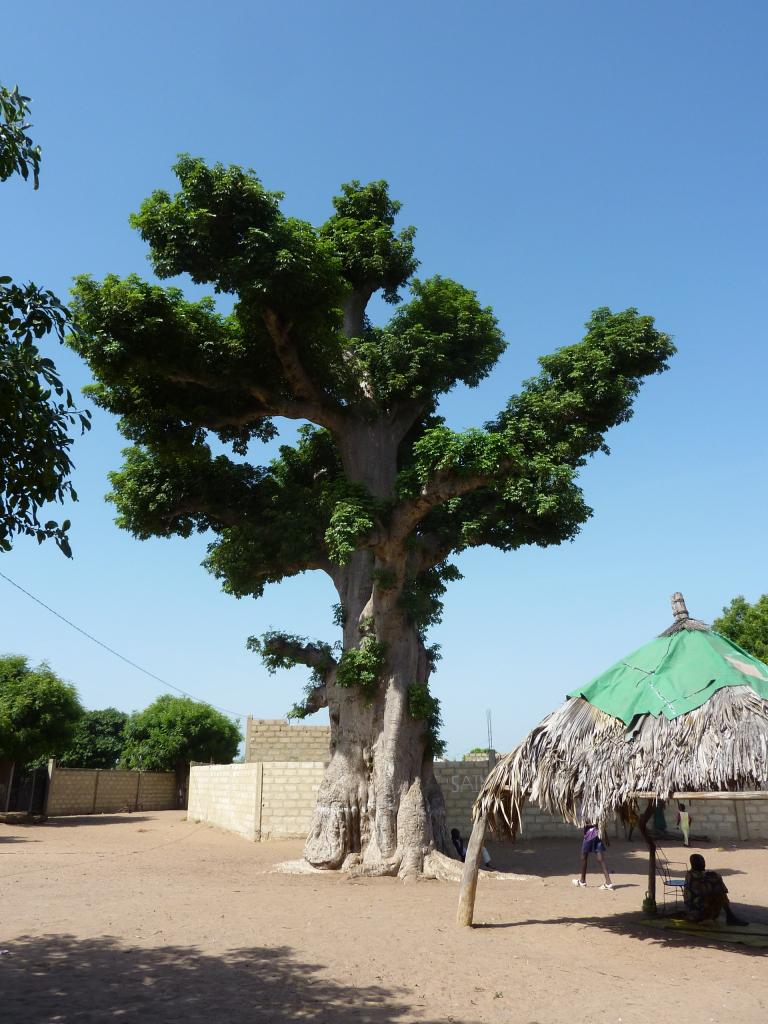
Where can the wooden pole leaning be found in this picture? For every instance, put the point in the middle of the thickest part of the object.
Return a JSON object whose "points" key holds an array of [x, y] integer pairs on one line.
{"points": [[472, 860]]}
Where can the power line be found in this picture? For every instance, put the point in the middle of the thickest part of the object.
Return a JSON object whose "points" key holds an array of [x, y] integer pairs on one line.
{"points": [[117, 654]]}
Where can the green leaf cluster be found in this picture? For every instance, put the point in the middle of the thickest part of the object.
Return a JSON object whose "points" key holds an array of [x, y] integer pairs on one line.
{"points": [[362, 667], [361, 231], [426, 708], [18, 153], [747, 625], [39, 712], [173, 731], [36, 411], [349, 521], [97, 742], [421, 597]]}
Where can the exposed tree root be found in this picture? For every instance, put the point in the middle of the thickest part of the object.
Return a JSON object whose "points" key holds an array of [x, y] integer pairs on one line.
{"points": [[297, 867], [436, 866]]}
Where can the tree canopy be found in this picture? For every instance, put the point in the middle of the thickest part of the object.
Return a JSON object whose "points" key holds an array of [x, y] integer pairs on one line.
{"points": [[176, 730], [38, 711], [98, 740], [36, 410], [746, 624], [184, 378]]}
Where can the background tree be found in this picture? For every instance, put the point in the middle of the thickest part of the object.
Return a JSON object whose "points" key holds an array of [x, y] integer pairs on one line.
{"points": [[98, 740], [38, 711], [747, 625], [36, 410], [377, 492], [173, 731]]}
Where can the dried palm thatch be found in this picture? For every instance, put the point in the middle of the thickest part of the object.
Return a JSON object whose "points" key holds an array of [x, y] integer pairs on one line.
{"points": [[584, 764]]}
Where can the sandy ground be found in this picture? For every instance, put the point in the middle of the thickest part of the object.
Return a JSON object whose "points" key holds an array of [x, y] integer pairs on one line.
{"points": [[147, 917]]}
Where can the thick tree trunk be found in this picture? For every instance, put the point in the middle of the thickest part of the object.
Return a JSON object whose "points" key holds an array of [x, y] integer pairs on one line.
{"points": [[379, 807]]}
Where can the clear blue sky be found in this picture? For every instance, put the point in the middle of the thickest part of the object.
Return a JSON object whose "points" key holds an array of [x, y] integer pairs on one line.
{"points": [[555, 157]]}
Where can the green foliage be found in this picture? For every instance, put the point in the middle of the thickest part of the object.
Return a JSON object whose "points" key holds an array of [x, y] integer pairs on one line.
{"points": [[362, 667], [284, 650], [18, 153], [38, 711], [747, 625], [36, 410], [349, 521], [372, 256], [305, 707], [173, 731], [426, 708], [442, 337], [421, 597], [97, 741]]}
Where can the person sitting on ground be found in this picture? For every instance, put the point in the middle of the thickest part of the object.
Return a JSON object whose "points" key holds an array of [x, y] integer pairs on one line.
{"points": [[458, 843], [461, 848], [705, 894]]}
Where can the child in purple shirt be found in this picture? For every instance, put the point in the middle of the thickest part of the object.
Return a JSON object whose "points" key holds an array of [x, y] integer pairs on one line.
{"points": [[592, 843]]}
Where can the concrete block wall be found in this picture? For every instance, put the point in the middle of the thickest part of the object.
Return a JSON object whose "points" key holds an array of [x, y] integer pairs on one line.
{"points": [[93, 791], [757, 818], [157, 791], [538, 824], [276, 799], [228, 796], [274, 739], [258, 800], [461, 782], [288, 798], [721, 818]]}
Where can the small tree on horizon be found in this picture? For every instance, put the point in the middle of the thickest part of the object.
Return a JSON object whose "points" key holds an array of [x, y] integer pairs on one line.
{"points": [[172, 731], [39, 712], [98, 740], [378, 492], [746, 624]]}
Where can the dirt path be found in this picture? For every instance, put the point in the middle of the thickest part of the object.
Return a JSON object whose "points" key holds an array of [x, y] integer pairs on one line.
{"points": [[149, 918]]}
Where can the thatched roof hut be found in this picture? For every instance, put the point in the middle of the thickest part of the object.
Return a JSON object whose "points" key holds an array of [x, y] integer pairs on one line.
{"points": [[688, 712]]}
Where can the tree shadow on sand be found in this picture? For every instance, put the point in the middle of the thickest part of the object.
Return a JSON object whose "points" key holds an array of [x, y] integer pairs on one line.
{"points": [[550, 859], [62, 979], [631, 924]]}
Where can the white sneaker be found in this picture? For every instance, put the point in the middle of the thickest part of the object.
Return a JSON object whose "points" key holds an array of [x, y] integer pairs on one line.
{"points": [[607, 885], [579, 883]]}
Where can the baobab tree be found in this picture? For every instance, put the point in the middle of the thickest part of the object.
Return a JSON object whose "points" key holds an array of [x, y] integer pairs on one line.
{"points": [[377, 492]]}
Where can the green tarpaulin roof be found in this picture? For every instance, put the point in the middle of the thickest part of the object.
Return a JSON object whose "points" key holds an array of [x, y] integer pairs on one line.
{"points": [[674, 674]]}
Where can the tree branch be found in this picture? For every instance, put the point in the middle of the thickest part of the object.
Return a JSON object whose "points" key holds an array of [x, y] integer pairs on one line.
{"points": [[270, 404], [441, 488], [301, 384], [315, 700], [283, 650]]}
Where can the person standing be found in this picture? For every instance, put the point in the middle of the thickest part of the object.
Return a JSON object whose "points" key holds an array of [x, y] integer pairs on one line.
{"points": [[592, 843], [684, 821]]}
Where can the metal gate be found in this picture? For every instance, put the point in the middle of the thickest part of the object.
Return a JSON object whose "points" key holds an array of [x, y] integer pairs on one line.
{"points": [[28, 790]]}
